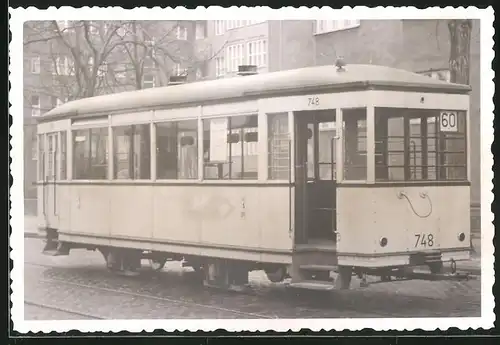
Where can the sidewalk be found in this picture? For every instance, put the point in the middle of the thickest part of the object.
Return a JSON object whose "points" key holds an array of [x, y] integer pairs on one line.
{"points": [[30, 227]]}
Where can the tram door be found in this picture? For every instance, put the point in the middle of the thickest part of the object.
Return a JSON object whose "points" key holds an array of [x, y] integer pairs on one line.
{"points": [[315, 183]]}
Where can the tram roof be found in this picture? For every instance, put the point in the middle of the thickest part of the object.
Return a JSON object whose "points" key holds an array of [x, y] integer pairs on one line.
{"points": [[317, 78]]}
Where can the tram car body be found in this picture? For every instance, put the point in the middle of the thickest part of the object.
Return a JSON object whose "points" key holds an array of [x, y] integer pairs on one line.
{"points": [[300, 173]]}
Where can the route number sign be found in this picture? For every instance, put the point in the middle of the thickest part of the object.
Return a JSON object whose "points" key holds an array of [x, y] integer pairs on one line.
{"points": [[448, 121]]}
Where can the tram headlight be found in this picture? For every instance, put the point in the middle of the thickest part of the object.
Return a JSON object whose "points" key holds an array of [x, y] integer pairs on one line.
{"points": [[383, 241], [461, 237]]}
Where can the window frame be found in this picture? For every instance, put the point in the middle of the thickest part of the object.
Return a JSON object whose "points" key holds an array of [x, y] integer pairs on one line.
{"points": [[220, 27], [181, 33], [440, 154], [35, 66], [89, 159], [196, 139], [229, 163], [131, 153], [327, 26], [36, 108], [234, 59], [220, 66], [260, 54]]}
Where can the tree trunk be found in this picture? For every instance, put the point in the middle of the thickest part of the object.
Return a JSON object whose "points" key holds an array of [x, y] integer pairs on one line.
{"points": [[460, 30]]}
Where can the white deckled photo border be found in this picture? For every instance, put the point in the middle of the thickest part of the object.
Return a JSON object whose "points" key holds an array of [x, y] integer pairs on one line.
{"points": [[20, 15]]}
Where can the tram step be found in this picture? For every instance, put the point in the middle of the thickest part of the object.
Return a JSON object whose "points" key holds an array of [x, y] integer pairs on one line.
{"points": [[313, 285], [54, 252], [318, 267]]}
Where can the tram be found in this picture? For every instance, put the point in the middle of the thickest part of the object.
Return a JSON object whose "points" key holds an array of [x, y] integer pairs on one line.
{"points": [[314, 174]]}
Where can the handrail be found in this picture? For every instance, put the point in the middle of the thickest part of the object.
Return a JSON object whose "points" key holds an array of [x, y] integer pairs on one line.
{"points": [[290, 230], [54, 175]]}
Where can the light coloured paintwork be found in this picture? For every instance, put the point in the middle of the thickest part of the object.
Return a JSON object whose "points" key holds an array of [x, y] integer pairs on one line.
{"points": [[250, 218], [260, 85], [175, 217], [365, 215]]}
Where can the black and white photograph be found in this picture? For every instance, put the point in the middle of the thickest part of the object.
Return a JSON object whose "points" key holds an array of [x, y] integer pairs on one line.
{"points": [[251, 169]]}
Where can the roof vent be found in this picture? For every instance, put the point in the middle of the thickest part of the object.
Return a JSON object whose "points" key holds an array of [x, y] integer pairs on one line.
{"points": [[340, 63], [177, 79], [247, 69]]}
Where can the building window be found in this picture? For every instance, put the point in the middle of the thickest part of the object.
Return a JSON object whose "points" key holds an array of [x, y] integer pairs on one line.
{"points": [[279, 147], [35, 65], [411, 145], [148, 81], [355, 163], [252, 22], [63, 155], [257, 53], [324, 26], [220, 28], [63, 66], [63, 24], [177, 150], [55, 101], [132, 152], [181, 33], [230, 148], [35, 105], [102, 70], [234, 24], [178, 70], [91, 152], [235, 57], [201, 28], [220, 66]]}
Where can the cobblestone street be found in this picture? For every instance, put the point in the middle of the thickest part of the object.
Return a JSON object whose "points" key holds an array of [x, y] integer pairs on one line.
{"points": [[75, 286]]}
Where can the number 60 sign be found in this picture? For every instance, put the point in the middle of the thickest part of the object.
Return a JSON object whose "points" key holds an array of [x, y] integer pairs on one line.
{"points": [[448, 121]]}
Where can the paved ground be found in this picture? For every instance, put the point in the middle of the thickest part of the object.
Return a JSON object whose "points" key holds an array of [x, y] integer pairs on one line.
{"points": [[81, 284]]}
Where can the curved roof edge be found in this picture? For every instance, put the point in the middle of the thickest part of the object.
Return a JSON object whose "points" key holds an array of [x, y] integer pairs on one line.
{"points": [[279, 83]]}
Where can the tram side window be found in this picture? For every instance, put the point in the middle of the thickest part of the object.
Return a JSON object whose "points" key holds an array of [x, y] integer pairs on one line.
{"points": [[63, 155], [177, 150], [51, 156], [279, 147], [41, 156], [132, 152], [230, 148], [355, 163], [91, 152], [411, 145]]}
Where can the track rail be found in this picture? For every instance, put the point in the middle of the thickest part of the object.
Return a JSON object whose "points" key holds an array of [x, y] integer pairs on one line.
{"points": [[146, 296], [64, 310]]}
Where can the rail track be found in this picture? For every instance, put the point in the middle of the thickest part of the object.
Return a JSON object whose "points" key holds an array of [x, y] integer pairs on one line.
{"points": [[358, 302], [64, 310], [145, 296]]}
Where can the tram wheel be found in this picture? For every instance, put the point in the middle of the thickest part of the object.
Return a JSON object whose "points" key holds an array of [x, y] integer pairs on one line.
{"points": [[157, 264], [344, 276], [436, 267]]}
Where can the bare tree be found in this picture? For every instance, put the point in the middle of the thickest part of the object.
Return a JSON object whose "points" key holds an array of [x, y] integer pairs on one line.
{"points": [[88, 58], [460, 35]]}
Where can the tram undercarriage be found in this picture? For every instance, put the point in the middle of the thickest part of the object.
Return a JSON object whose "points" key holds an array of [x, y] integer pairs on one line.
{"points": [[234, 274]]}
